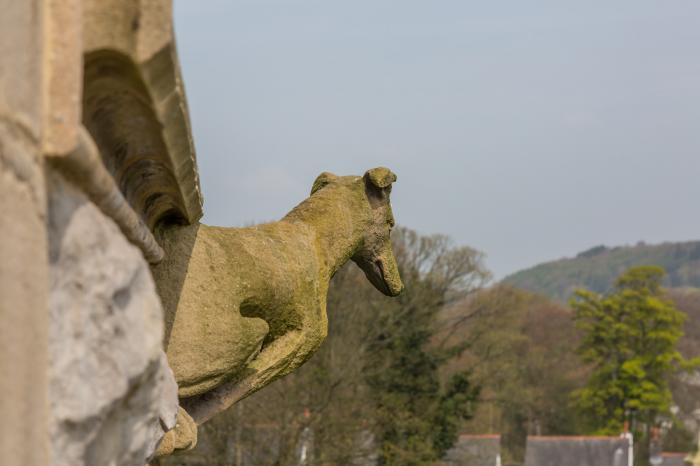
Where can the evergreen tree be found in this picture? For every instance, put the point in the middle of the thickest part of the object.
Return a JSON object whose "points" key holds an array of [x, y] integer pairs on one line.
{"points": [[629, 339], [418, 411]]}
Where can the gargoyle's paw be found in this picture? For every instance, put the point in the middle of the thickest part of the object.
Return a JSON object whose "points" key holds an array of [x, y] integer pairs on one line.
{"points": [[181, 438]]}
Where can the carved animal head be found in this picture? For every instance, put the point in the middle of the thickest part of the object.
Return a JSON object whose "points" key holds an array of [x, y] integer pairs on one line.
{"points": [[375, 256]]}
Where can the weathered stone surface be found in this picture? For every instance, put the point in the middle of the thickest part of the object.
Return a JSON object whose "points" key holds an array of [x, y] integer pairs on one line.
{"points": [[119, 114], [24, 438], [23, 296], [135, 106], [63, 75], [21, 62], [84, 168], [182, 437], [111, 391], [245, 306]]}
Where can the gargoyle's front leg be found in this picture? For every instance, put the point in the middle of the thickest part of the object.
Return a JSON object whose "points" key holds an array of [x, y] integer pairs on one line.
{"points": [[280, 357], [182, 437]]}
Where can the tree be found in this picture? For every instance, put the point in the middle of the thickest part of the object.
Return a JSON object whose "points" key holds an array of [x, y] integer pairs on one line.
{"points": [[629, 339], [684, 388], [522, 353], [418, 411]]}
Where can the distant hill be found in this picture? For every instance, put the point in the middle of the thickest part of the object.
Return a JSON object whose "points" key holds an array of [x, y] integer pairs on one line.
{"points": [[597, 268]]}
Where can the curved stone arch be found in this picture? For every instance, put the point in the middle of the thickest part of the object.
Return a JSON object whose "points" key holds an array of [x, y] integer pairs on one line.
{"points": [[119, 113]]}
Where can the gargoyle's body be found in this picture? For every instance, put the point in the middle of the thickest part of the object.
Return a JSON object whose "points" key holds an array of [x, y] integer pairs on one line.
{"points": [[245, 306], [244, 288]]}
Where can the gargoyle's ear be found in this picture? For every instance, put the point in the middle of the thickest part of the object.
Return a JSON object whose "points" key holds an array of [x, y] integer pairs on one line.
{"points": [[380, 177], [322, 180]]}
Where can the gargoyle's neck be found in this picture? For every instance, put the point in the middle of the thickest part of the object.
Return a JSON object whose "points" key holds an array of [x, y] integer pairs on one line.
{"points": [[338, 218]]}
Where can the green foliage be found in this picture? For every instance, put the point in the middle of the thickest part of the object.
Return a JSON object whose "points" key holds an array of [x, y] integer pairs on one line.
{"points": [[629, 338], [418, 414], [522, 354], [455, 406], [679, 438], [597, 268]]}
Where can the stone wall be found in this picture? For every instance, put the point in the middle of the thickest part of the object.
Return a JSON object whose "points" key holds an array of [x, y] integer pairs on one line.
{"points": [[111, 391], [23, 258], [85, 380]]}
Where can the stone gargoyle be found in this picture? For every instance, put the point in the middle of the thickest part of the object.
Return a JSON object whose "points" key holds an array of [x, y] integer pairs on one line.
{"points": [[245, 306]]}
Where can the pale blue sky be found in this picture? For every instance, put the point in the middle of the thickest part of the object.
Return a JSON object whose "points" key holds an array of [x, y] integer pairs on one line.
{"points": [[530, 130]]}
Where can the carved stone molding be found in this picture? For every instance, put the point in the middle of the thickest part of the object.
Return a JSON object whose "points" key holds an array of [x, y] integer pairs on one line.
{"points": [[118, 112]]}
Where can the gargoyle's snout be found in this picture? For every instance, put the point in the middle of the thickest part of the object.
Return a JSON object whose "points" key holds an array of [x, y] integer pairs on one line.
{"points": [[383, 273], [376, 257], [391, 277]]}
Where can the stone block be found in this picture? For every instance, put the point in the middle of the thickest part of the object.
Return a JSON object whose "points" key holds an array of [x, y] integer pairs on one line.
{"points": [[112, 393]]}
